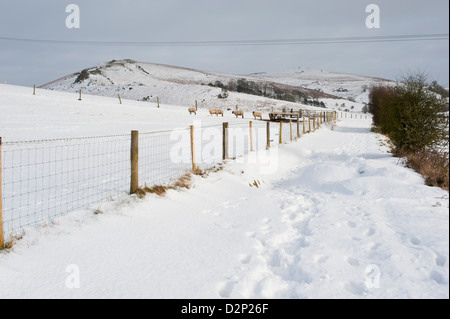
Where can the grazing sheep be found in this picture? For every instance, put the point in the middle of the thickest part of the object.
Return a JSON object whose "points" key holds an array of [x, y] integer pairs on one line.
{"points": [[192, 110], [216, 112], [219, 112], [239, 113], [257, 114]]}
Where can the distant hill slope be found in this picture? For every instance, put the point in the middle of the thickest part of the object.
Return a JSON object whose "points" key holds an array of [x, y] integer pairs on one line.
{"points": [[183, 86], [346, 86]]}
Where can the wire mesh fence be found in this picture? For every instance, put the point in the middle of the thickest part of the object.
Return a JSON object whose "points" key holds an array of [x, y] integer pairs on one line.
{"points": [[164, 156], [41, 180], [45, 179]]}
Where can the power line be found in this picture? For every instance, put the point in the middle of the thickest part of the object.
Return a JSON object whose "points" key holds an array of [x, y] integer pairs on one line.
{"points": [[329, 40]]}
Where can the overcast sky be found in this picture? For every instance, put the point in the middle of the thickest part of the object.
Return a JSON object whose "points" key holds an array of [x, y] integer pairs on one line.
{"points": [[26, 63]]}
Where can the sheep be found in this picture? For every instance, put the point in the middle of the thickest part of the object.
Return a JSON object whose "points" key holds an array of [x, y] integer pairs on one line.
{"points": [[216, 112], [192, 110], [257, 114], [239, 113]]}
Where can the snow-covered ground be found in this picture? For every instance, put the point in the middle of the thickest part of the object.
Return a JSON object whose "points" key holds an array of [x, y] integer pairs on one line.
{"points": [[338, 218], [54, 114], [79, 152]]}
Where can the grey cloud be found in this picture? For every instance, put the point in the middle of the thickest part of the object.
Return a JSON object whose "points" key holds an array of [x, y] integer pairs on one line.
{"points": [[200, 20]]}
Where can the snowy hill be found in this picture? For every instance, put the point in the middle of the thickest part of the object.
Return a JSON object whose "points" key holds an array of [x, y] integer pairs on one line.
{"points": [[346, 86], [182, 86]]}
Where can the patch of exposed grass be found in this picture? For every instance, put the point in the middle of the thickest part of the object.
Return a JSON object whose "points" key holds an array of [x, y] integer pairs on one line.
{"points": [[10, 243], [432, 165], [255, 183], [98, 211], [183, 182]]}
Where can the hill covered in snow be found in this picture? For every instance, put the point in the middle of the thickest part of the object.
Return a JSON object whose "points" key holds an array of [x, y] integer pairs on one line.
{"points": [[182, 86], [346, 86]]}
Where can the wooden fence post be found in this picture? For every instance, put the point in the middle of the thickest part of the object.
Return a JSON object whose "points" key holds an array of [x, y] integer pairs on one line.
{"points": [[314, 122], [298, 126], [157, 99], [34, 89], [2, 238], [290, 125], [268, 135], [194, 165], [80, 96], [134, 185], [251, 136], [304, 126], [281, 132], [196, 105], [120, 100], [225, 141], [309, 123]]}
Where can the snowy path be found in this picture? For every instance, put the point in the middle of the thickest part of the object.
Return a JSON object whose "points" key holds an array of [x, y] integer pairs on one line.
{"points": [[341, 218]]}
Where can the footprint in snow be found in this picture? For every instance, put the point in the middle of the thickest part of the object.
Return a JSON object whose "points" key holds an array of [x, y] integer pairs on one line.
{"points": [[437, 277], [355, 288], [228, 205], [370, 232], [226, 288], [440, 260], [245, 259], [415, 241], [352, 261], [351, 224]]}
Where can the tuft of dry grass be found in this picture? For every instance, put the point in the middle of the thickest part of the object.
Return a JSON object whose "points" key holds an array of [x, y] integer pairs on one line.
{"points": [[159, 190], [184, 181], [256, 183], [10, 243], [432, 165]]}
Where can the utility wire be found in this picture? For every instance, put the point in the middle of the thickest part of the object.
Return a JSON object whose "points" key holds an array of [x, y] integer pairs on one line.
{"points": [[273, 42]]}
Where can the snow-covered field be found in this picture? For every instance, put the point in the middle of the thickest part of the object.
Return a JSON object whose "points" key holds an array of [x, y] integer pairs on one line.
{"points": [[339, 217], [90, 159]]}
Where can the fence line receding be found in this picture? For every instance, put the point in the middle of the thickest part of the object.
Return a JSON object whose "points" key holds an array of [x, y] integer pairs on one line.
{"points": [[41, 180]]}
